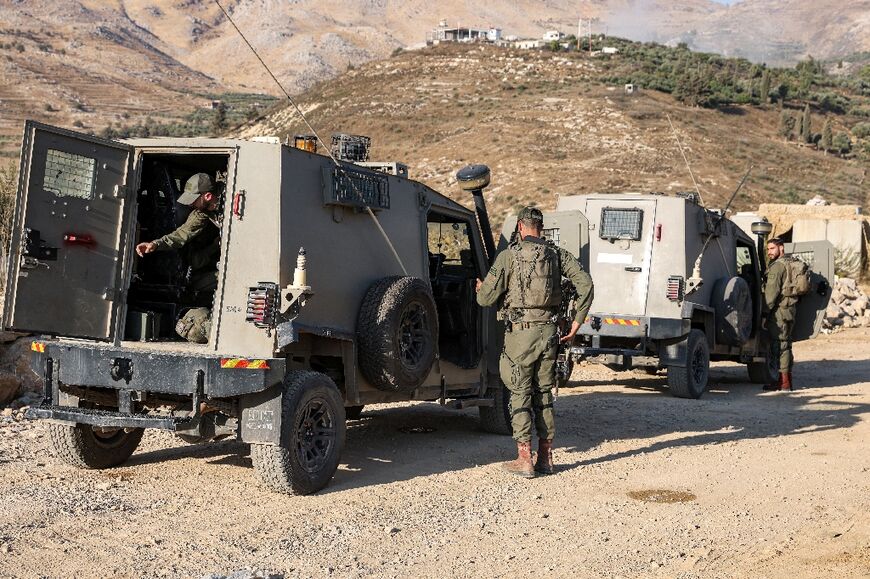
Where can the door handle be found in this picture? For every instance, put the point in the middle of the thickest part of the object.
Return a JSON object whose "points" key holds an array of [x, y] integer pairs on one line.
{"points": [[634, 269]]}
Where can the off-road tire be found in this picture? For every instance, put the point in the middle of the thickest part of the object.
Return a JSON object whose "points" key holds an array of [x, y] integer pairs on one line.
{"points": [[397, 333], [691, 381], [353, 412], [81, 446], [766, 372], [497, 418], [307, 395]]}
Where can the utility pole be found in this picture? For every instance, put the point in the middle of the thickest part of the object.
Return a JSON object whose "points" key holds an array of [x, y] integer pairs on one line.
{"points": [[579, 32]]}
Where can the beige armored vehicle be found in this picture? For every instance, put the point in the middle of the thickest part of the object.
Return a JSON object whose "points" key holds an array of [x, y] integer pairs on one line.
{"points": [[678, 286], [314, 315]]}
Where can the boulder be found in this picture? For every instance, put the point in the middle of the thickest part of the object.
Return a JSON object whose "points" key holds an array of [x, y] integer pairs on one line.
{"points": [[9, 385], [15, 368]]}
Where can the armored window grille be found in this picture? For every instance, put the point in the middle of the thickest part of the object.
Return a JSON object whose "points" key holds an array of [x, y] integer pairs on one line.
{"points": [[552, 235], [68, 175], [621, 223], [808, 257], [356, 188]]}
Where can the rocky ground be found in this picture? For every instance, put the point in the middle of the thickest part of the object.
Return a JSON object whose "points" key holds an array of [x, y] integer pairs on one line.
{"points": [[737, 484]]}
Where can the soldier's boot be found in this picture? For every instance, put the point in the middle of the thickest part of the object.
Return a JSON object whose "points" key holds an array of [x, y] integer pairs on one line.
{"points": [[785, 382], [544, 462], [522, 466], [770, 386]]}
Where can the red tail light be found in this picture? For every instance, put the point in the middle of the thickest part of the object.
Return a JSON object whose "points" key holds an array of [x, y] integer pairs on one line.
{"points": [[78, 239]]}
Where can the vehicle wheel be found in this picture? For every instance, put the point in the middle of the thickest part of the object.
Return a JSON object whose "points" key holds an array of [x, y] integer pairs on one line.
{"points": [[766, 372], [82, 446], [397, 333], [312, 436], [691, 381], [353, 412], [497, 418]]}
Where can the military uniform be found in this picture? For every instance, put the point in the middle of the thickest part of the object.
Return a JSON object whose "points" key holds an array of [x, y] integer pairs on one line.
{"points": [[529, 276], [780, 318]]}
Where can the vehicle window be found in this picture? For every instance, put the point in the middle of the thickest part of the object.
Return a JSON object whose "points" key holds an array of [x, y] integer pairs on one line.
{"points": [[744, 257], [68, 175], [552, 235], [621, 223], [449, 239]]}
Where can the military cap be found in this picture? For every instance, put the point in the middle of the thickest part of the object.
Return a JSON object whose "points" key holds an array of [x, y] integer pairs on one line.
{"points": [[195, 186], [530, 214]]}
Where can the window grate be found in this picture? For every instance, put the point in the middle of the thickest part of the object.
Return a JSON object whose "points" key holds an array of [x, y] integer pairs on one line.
{"points": [[621, 223], [552, 235], [68, 175], [356, 188]]}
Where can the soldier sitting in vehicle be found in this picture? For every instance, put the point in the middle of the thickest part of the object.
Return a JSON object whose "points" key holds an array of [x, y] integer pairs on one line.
{"points": [[199, 237]]}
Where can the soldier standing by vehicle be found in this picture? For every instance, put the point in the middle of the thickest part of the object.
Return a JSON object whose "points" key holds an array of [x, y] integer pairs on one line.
{"points": [[199, 235], [781, 312], [529, 276]]}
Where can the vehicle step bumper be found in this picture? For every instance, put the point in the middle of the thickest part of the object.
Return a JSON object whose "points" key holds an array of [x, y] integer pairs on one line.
{"points": [[108, 418]]}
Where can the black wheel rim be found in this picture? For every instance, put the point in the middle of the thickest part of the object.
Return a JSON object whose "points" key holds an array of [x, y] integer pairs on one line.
{"points": [[413, 334], [699, 366], [315, 434], [109, 438]]}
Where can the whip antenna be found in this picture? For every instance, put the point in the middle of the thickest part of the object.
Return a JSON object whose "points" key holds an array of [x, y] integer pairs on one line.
{"points": [[316, 136], [686, 159]]}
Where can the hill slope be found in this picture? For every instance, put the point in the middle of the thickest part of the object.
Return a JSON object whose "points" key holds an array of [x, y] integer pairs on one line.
{"points": [[547, 126]]}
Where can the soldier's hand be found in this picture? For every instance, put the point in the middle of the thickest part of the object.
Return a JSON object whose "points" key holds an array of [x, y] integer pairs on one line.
{"points": [[477, 285], [146, 247], [570, 335]]}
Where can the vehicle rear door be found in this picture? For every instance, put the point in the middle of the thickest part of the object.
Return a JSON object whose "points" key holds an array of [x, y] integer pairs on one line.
{"points": [[67, 237], [620, 253], [819, 255]]}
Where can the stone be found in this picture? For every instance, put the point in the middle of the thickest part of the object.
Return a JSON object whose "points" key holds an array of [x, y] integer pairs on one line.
{"points": [[9, 385]]}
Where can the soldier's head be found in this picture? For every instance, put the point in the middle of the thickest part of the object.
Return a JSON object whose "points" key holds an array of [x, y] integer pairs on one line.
{"points": [[530, 221], [775, 248], [200, 193]]}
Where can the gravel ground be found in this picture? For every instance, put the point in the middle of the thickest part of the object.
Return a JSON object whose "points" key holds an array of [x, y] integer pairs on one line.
{"points": [[737, 484]]}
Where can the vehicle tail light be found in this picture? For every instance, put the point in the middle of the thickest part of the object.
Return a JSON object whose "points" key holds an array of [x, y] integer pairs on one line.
{"points": [[675, 288], [78, 239], [659, 232], [263, 305]]}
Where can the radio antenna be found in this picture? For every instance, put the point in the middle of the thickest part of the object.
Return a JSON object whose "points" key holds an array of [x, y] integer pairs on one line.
{"points": [[316, 136], [686, 159]]}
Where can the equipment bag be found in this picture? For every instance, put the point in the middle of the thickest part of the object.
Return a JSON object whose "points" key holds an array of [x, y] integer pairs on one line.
{"points": [[797, 279]]}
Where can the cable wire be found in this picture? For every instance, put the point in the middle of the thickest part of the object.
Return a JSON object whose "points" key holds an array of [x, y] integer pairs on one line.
{"points": [[317, 136]]}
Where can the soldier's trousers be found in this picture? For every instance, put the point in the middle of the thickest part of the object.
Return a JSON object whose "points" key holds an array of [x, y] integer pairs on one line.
{"points": [[528, 370], [780, 324]]}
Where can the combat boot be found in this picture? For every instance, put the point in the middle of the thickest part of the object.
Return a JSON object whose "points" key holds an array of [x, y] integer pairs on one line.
{"points": [[771, 386], [544, 462], [522, 466], [785, 382]]}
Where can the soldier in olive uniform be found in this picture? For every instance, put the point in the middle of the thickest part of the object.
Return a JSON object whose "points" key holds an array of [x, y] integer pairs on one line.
{"points": [[199, 237], [529, 276], [781, 313]]}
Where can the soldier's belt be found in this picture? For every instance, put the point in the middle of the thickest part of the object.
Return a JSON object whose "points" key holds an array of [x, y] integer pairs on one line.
{"points": [[527, 325]]}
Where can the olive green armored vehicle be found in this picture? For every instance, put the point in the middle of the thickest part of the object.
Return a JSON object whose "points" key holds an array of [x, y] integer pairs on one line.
{"points": [[338, 285], [679, 285]]}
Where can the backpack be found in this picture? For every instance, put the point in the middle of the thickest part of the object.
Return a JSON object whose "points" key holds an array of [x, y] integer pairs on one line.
{"points": [[797, 278]]}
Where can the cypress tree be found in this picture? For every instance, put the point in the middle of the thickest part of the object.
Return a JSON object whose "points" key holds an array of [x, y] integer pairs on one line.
{"points": [[827, 142], [765, 87], [806, 125]]}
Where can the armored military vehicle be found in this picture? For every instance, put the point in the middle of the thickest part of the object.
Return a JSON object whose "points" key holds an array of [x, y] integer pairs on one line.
{"points": [[678, 286], [300, 339]]}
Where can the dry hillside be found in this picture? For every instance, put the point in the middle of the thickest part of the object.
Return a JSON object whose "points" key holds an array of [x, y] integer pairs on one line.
{"points": [[88, 63], [546, 126]]}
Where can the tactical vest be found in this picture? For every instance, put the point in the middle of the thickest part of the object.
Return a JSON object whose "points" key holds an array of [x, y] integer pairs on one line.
{"points": [[535, 282]]}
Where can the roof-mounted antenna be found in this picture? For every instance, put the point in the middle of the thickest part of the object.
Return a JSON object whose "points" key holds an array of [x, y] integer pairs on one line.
{"points": [[317, 136], [683, 153]]}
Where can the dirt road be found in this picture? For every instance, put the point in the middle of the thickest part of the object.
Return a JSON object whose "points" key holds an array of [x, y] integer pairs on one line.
{"points": [[737, 484]]}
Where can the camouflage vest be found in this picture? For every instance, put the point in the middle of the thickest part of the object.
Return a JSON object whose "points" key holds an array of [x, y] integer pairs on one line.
{"points": [[535, 282]]}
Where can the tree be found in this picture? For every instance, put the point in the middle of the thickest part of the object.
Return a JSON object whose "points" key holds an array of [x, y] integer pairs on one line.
{"points": [[827, 142], [765, 87], [806, 125], [842, 143], [219, 120]]}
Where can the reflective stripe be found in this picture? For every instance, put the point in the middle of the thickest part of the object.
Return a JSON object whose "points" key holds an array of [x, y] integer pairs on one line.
{"points": [[244, 364]]}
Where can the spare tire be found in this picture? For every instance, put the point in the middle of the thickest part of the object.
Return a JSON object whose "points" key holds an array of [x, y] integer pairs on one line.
{"points": [[732, 300], [397, 333]]}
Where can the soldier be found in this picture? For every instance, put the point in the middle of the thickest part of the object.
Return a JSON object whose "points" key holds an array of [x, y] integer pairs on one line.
{"points": [[199, 236], [781, 313], [529, 274]]}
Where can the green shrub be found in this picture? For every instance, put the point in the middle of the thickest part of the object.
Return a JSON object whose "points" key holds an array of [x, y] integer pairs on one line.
{"points": [[861, 130]]}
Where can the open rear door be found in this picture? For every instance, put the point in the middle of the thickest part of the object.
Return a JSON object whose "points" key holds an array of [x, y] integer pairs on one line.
{"points": [[819, 255], [67, 237]]}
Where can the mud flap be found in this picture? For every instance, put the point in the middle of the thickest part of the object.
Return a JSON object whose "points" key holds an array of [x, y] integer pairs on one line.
{"points": [[674, 354], [261, 416]]}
